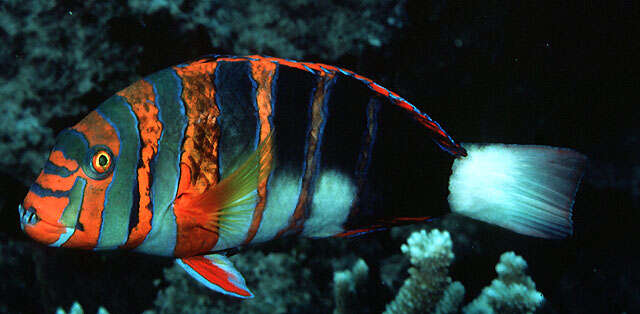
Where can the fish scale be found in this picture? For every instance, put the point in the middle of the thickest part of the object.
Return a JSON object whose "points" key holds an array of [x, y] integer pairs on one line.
{"points": [[224, 151]]}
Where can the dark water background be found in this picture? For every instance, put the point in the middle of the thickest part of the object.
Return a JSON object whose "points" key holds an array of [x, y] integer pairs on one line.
{"points": [[530, 73]]}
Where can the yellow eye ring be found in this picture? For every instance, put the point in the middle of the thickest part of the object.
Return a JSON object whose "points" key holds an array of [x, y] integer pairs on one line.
{"points": [[101, 161]]}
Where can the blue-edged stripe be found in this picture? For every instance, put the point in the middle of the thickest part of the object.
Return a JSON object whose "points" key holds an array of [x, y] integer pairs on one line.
{"points": [[118, 198], [71, 212], [254, 91], [37, 189], [64, 237], [161, 239], [50, 168]]}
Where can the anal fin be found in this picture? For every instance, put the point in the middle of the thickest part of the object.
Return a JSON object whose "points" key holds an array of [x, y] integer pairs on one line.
{"points": [[217, 273]]}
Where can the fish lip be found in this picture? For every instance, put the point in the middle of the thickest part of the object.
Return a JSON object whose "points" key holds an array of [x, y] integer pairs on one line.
{"points": [[28, 216]]}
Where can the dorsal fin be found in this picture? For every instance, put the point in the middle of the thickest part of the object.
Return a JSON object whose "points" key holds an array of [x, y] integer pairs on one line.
{"points": [[437, 133]]}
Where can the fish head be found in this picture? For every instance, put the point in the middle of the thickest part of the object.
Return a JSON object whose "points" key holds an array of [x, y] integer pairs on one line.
{"points": [[66, 204]]}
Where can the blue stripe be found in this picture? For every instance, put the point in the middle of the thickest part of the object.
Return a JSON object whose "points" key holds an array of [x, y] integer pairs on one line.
{"points": [[124, 173], [345, 72], [365, 81], [165, 169], [71, 212], [308, 69], [50, 168], [44, 192], [183, 115], [152, 164], [113, 179]]}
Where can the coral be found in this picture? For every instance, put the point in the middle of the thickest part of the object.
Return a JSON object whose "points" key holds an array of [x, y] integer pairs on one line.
{"points": [[281, 282], [512, 292], [451, 299], [430, 254], [291, 29], [76, 308], [51, 55], [346, 284], [295, 281], [429, 289]]}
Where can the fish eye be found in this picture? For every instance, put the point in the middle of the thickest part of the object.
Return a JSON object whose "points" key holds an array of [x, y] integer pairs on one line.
{"points": [[99, 162]]}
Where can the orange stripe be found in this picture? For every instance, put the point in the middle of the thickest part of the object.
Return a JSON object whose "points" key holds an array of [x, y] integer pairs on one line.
{"points": [[301, 212], [200, 153], [98, 132], [57, 158], [49, 208], [45, 232], [262, 73], [141, 97], [301, 65], [55, 182]]}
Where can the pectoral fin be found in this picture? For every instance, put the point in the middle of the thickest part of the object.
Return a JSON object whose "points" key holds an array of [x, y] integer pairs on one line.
{"points": [[217, 273]]}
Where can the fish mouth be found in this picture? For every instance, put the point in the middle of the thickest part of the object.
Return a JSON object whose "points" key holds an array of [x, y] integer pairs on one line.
{"points": [[27, 216]]}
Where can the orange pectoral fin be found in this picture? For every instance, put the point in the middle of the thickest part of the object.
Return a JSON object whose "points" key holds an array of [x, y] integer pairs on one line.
{"points": [[219, 206], [217, 273]]}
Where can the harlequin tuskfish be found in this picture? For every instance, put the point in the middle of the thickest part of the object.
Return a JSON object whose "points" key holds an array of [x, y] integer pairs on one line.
{"points": [[223, 152]]}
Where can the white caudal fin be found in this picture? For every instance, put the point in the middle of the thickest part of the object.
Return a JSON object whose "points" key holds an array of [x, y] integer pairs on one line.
{"points": [[525, 188]]}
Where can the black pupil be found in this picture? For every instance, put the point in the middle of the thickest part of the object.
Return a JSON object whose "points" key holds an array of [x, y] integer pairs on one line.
{"points": [[103, 160]]}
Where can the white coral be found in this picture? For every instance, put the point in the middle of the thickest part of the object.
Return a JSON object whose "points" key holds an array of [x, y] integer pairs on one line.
{"points": [[429, 288], [346, 284], [512, 292]]}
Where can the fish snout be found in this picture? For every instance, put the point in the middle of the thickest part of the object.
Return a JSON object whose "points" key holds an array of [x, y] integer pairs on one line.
{"points": [[27, 216]]}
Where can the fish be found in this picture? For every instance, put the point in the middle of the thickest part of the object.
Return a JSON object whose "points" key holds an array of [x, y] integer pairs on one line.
{"points": [[201, 158]]}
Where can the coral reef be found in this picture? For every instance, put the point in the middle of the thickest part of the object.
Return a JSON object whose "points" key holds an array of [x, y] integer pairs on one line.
{"points": [[291, 29], [76, 308], [283, 282], [51, 56], [286, 282], [429, 288], [346, 285], [512, 292], [430, 254]]}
